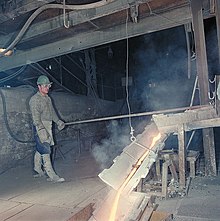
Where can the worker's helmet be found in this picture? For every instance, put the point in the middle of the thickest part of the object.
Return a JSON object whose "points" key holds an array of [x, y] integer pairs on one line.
{"points": [[43, 80]]}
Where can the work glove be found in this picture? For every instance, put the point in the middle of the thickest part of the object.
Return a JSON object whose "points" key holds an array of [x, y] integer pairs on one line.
{"points": [[43, 135], [60, 125]]}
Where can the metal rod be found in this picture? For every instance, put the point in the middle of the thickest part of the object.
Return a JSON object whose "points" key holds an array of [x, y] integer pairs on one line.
{"points": [[137, 114], [190, 139], [194, 91]]}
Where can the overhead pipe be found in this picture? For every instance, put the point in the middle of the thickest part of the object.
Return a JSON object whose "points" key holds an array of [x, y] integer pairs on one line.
{"points": [[51, 6]]}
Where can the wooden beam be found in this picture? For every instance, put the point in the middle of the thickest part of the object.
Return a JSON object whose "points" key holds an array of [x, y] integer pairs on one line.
{"points": [[209, 152], [215, 122], [164, 178], [203, 79], [192, 119], [182, 156], [200, 46]]}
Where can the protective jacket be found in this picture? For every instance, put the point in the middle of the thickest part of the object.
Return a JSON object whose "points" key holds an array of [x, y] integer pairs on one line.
{"points": [[43, 114]]}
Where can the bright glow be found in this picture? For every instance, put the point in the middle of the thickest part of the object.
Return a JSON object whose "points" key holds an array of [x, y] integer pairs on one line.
{"points": [[115, 204], [8, 53]]}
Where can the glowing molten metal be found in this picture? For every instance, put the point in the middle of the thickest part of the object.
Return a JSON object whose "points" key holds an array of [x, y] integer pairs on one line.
{"points": [[115, 204]]}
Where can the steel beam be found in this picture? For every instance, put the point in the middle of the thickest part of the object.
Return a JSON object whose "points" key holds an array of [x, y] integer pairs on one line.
{"points": [[88, 40], [74, 17]]}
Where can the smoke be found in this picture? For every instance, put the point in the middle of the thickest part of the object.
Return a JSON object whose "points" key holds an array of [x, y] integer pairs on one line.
{"points": [[161, 73], [212, 49], [112, 146]]}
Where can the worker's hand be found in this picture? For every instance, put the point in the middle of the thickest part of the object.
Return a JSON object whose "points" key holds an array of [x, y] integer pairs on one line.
{"points": [[43, 135], [60, 125]]}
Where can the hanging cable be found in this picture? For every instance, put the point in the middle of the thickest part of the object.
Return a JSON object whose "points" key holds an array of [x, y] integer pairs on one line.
{"points": [[132, 138], [20, 71], [216, 94], [213, 92], [6, 121], [66, 25]]}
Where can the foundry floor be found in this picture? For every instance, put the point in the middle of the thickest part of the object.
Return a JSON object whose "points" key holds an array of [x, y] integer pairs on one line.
{"points": [[24, 198], [201, 203]]}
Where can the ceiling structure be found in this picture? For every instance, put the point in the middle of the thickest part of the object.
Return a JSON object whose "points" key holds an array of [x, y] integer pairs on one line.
{"points": [[43, 29]]}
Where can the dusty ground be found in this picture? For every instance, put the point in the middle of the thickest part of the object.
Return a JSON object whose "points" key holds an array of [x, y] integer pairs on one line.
{"points": [[201, 203], [24, 198]]}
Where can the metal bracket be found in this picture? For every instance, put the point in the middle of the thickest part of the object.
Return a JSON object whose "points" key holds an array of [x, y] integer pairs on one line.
{"points": [[66, 25], [134, 12]]}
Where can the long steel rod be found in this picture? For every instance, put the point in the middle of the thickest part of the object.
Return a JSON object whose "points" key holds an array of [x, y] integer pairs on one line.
{"points": [[137, 114]]}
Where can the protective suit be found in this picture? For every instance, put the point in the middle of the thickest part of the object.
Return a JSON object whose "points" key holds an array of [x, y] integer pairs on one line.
{"points": [[43, 114]]}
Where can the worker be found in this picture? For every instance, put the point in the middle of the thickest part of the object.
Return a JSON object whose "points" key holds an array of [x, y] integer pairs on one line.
{"points": [[43, 114]]}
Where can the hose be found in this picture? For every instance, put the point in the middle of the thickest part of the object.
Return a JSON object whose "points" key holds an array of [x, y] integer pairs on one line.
{"points": [[6, 121], [50, 6]]}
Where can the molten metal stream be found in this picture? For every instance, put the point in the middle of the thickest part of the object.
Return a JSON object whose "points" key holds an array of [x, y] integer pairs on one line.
{"points": [[115, 204]]}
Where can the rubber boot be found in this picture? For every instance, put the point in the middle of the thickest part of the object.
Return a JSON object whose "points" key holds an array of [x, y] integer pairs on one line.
{"points": [[49, 169], [38, 165]]}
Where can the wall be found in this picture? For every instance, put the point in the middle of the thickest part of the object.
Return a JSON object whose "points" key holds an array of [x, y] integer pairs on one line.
{"points": [[16, 137]]}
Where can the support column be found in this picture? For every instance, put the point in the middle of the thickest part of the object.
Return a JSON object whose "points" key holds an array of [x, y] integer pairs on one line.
{"points": [[90, 66], [87, 69], [182, 156], [93, 70], [202, 72]]}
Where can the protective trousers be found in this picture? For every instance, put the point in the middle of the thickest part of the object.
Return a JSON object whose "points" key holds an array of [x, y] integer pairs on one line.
{"points": [[49, 169], [38, 163]]}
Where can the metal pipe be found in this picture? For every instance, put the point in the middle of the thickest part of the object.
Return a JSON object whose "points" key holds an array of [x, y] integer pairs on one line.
{"points": [[137, 114], [46, 7], [194, 90], [190, 139]]}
